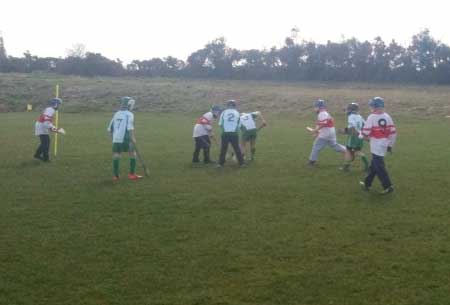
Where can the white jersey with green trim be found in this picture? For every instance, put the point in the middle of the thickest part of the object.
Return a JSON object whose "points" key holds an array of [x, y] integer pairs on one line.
{"points": [[355, 121], [122, 121], [229, 120], [248, 120]]}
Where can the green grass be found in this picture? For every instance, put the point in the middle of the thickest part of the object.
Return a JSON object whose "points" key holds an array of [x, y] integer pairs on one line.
{"points": [[276, 232]]}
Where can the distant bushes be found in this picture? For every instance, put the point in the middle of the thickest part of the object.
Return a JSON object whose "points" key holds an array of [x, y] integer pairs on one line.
{"points": [[425, 60]]}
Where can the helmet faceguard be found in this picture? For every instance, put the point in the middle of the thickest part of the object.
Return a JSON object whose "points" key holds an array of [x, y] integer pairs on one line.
{"points": [[55, 102], [231, 104], [127, 102], [320, 104], [352, 108], [376, 102], [216, 110]]}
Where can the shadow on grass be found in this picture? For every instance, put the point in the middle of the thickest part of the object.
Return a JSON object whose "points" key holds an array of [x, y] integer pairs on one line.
{"points": [[31, 163]]}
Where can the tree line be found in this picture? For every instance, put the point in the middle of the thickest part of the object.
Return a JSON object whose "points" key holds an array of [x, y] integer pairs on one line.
{"points": [[425, 60]]}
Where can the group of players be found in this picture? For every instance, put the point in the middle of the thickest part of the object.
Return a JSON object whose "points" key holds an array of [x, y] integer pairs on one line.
{"points": [[231, 123], [378, 129]]}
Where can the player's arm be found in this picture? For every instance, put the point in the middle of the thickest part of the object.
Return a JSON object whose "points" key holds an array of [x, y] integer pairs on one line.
{"points": [[221, 119], [263, 121], [365, 132], [392, 134], [322, 121], [209, 129], [351, 131], [132, 136], [110, 128], [130, 128]]}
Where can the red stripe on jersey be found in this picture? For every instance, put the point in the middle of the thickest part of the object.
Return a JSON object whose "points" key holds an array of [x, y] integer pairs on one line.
{"points": [[381, 132], [203, 121], [45, 118], [326, 123]]}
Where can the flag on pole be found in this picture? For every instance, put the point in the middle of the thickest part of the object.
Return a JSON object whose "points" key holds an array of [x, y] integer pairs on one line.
{"points": [[55, 152]]}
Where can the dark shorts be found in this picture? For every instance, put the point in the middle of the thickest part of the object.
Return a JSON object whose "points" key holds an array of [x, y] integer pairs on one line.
{"points": [[121, 147], [354, 143], [249, 135]]}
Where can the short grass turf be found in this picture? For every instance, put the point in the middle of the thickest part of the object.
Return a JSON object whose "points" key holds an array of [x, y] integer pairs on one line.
{"points": [[276, 232]]}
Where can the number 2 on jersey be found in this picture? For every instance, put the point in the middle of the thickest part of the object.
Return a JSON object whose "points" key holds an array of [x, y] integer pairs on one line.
{"points": [[230, 117]]}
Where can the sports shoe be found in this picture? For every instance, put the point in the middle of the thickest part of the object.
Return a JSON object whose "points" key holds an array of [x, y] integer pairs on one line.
{"points": [[311, 163], [38, 157], [134, 177], [364, 186], [387, 190], [219, 166], [115, 178]]}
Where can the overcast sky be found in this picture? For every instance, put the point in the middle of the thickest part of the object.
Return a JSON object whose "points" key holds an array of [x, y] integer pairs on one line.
{"points": [[139, 29]]}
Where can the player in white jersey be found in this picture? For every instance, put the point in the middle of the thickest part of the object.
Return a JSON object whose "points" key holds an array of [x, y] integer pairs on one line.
{"points": [[355, 141], [43, 127], [202, 134], [381, 132], [121, 129], [230, 122], [324, 132], [250, 130]]}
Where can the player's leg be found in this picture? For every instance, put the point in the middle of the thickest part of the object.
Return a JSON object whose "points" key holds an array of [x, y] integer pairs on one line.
{"points": [[243, 145], [364, 160], [372, 173], [337, 147], [197, 148], [45, 147], [128, 147], [234, 140], [40, 149], [348, 158], [252, 148], [116, 160], [318, 145], [223, 148], [383, 174], [206, 149]]}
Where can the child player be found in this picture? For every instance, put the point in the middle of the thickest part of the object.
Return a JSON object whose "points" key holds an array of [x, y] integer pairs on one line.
{"points": [[250, 131], [202, 134], [121, 128], [230, 122], [355, 139], [324, 132], [42, 129], [380, 131]]}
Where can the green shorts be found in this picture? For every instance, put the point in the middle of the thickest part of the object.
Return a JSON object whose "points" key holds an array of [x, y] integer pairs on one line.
{"points": [[121, 147], [249, 135], [354, 143]]}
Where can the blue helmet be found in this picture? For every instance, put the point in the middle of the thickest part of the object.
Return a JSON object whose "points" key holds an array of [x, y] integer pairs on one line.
{"points": [[376, 102], [320, 104], [216, 108], [352, 108], [55, 102]]}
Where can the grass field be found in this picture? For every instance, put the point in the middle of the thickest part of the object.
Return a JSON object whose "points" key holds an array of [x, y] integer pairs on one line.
{"points": [[276, 232]]}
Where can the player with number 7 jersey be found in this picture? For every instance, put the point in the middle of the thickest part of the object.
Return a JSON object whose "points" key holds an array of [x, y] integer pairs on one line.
{"points": [[121, 129]]}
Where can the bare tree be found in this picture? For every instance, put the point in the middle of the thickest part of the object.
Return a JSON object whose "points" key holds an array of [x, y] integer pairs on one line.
{"points": [[78, 50]]}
